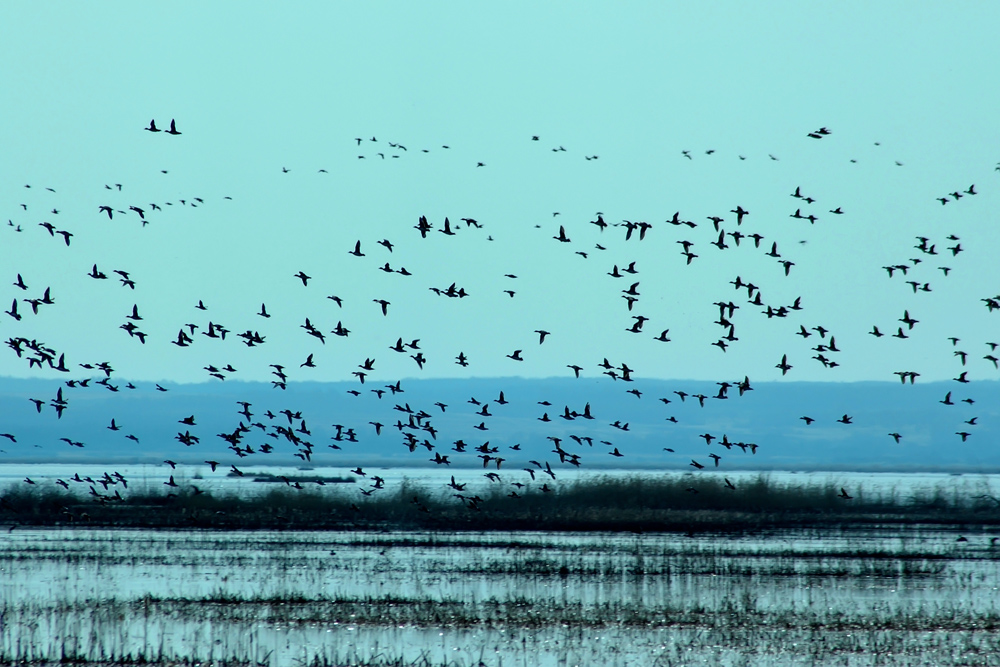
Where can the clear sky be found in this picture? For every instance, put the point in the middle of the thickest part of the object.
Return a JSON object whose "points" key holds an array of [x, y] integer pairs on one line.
{"points": [[904, 88]]}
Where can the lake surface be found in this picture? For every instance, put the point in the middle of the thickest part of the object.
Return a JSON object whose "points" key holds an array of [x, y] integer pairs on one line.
{"points": [[900, 595]]}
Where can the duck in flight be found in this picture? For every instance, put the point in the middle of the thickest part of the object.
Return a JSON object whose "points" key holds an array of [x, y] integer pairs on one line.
{"points": [[784, 365]]}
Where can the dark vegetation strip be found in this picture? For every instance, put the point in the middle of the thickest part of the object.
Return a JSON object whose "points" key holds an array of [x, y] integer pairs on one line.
{"points": [[669, 504], [522, 613]]}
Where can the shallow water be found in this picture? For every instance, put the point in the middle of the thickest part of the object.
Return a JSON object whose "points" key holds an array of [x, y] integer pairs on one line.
{"points": [[284, 598]]}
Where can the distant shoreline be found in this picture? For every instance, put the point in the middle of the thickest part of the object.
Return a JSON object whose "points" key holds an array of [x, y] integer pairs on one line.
{"points": [[683, 504], [639, 467]]}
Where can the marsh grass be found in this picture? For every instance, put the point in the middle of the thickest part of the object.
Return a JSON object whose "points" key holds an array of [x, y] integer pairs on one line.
{"points": [[911, 595], [638, 504], [391, 610], [141, 659]]}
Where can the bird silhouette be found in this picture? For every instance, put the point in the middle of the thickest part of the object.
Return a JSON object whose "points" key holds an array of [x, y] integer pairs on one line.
{"points": [[784, 365]]}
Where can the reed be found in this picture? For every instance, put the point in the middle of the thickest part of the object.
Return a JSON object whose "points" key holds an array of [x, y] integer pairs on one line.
{"points": [[641, 503]]}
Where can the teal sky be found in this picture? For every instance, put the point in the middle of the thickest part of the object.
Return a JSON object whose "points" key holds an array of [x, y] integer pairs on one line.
{"points": [[255, 91]]}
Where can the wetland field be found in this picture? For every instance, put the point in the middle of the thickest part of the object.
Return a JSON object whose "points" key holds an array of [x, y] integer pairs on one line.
{"points": [[511, 334], [890, 580]]}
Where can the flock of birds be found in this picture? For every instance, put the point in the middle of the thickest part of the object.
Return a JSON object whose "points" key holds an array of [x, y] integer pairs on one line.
{"points": [[257, 431]]}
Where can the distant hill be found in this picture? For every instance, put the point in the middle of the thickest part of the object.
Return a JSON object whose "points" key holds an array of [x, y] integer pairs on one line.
{"points": [[767, 416]]}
